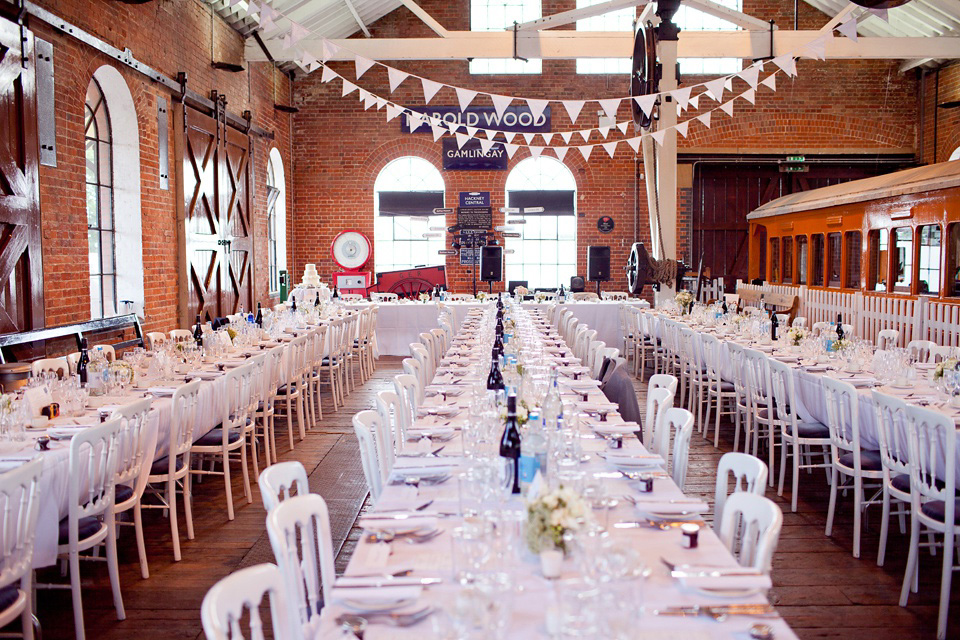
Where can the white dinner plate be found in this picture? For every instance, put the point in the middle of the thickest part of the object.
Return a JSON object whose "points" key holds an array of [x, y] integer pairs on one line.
{"points": [[727, 592], [370, 606]]}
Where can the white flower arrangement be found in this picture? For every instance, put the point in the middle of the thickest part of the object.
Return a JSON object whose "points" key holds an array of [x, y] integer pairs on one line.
{"points": [[523, 415], [423, 297], [796, 335], [8, 402], [553, 514], [481, 296], [539, 297], [123, 367], [521, 291], [684, 298], [840, 345], [943, 365]]}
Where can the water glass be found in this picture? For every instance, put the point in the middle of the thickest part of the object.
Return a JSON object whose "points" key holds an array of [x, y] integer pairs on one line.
{"points": [[578, 603]]}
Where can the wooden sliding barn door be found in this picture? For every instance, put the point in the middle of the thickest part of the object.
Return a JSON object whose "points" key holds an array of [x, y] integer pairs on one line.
{"points": [[218, 229], [21, 268]]}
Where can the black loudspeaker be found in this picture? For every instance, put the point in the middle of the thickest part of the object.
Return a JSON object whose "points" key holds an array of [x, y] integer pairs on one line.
{"points": [[598, 264], [491, 264], [577, 284]]}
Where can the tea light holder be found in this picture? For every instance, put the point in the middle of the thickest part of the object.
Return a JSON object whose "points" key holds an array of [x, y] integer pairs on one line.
{"points": [[646, 483], [691, 535]]}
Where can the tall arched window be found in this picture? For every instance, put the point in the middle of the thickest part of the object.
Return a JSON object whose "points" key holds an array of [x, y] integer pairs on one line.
{"points": [[101, 238], [276, 219], [404, 195], [545, 254]]}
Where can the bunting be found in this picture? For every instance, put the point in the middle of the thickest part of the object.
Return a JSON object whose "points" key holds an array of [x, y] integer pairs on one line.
{"points": [[465, 97], [573, 108], [561, 152], [610, 147], [396, 78], [362, 65], [430, 89]]}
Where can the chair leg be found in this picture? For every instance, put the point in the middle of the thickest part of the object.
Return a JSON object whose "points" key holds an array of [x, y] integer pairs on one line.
{"points": [[113, 566], [188, 503], [141, 547], [857, 512], [910, 571], [246, 473], [26, 618], [703, 430], [273, 435], [300, 407], [254, 454], [796, 474], [946, 575], [290, 420], [716, 426], [884, 526], [833, 502], [174, 529], [78, 626], [770, 437], [228, 487], [783, 464]]}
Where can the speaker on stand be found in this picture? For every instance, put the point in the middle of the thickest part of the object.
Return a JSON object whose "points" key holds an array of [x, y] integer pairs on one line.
{"points": [[598, 265], [491, 264]]}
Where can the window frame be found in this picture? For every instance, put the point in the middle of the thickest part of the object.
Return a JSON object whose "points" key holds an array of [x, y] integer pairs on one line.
{"points": [[802, 242], [939, 263], [951, 276], [504, 66], [786, 260], [104, 194], [818, 263], [834, 253], [907, 289], [603, 66], [851, 253], [774, 271]]}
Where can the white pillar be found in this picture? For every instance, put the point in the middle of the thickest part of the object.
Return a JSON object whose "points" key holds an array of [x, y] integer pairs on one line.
{"points": [[667, 164]]}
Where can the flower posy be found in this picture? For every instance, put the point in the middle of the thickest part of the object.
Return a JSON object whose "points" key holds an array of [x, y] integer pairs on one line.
{"points": [[521, 291], [796, 335], [684, 298], [950, 363], [551, 515], [424, 297]]}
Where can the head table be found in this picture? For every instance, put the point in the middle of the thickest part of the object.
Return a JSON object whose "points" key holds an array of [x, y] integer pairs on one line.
{"points": [[523, 603]]}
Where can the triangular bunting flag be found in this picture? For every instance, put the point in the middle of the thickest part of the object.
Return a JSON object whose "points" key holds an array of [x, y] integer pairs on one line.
{"points": [[309, 63], [509, 135], [682, 96], [253, 9], [770, 81], [328, 74], [751, 75], [266, 17], [472, 131], [715, 88], [646, 103], [635, 143], [561, 152], [682, 127], [787, 64], [623, 126], [393, 111], [585, 151], [705, 118], [750, 95], [465, 97], [430, 89], [462, 140], [610, 106], [535, 151], [679, 110], [396, 78], [287, 44], [490, 133], [529, 137], [537, 107], [727, 108], [585, 134], [511, 149], [546, 137], [362, 95], [362, 65], [329, 49], [566, 135], [381, 103], [603, 131], [298, 33], [848, 28], [485, 145], [437, 130], [348, 87], [573, 108], [611, 147], [880, 13], [500, 103], [817, 48], [659, 136], [369, 101]]}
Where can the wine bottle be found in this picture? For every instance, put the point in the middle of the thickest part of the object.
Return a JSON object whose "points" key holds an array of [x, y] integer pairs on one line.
{"points": [[510, 441], [294, 301], [562, 295], [724, 306], [259, 319], [495, 379], [198, 333], [336, 293], [839, 327], [774, 324], [316, 302], [83, 362]]}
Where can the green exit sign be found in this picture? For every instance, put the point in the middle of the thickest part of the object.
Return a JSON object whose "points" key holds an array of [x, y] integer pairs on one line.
{"points": [[796, 159]]}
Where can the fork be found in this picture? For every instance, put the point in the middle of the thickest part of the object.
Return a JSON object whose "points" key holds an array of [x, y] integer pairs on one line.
{"points": [[391, 619]]}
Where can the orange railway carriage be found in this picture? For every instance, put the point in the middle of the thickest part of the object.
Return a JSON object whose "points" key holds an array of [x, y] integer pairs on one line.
{"points": [[897, 234]]}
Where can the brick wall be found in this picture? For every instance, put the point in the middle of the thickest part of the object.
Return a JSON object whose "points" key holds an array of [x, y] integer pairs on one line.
{"points": [[835, 107], [941, 127], [169, 36]]}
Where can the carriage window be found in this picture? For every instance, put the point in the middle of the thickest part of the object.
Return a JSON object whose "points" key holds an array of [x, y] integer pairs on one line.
{"points": [[928, 269], [801, 259], [775, 260], [902, 248], [817, 245], [834, 255], [878, 261], [787, 270], [953, 260], [854, 251]]}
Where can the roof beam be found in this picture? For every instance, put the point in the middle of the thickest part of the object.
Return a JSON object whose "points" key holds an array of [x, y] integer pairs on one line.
{"points": [[425, 17], [646, 13], [738, 18], [913, 64], [571, 16], [356, 16], [568, 44]]}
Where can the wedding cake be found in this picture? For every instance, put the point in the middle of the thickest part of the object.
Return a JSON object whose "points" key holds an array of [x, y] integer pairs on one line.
{"points": [[310, 276]]}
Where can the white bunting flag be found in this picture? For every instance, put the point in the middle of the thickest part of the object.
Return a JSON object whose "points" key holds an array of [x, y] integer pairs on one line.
{"points": [[462, 140], [573, 108], [287, 44], [727, 108], [787, 64], [309, 63], [328, 74], [329, 49], [465, 97], [362, 95], [695, 102], [585, 151], [880, 13], [848, 27], [635, 143], [396, 78], [472, 131], [348, 87], [705, 118], [817, 48], [561, 152], [490, 133], [381, 103], [603, 131], [485, 145], [623, 126], [715, 88], [611, 147], [511, 149], [646, 103], [585, 134], [253, 9], [393, 111], [728, 84], [266, 17], [682, 96], [298, 33], [369, 101], [362, 65], [659, 136], [682, 127], [529, 137], [610, 106], [679, 110], [566, 135], [509, 135], [537, 107], [430, 89], [751, 75], [750, 95], [437, 130], [546, 138], [536, 151], [770, 81], [500, 103]]}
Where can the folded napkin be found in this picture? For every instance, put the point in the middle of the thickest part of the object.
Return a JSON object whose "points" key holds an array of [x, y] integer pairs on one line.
{"points": [[205, 375], [233, 363], [412, 523], [376, 595], [161, 391], [632, 458], [860, 381], [607, 429], [384, 581], [431, 432], [64, 432], [438, 410], [409, 463], [681, 506], [597, 406], [758, 581]]}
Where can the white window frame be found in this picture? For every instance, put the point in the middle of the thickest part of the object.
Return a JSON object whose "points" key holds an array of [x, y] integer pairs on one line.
{"points": [[690, 19], [276, 222], [619, 20], [407, 173], [498, 15]]}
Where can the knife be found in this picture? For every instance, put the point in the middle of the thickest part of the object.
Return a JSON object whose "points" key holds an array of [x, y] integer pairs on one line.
{"points": [[713, 573], [397, 582]]}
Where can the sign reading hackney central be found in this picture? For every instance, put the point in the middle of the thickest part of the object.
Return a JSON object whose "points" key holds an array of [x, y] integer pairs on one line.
{"points": [[515, 118]]}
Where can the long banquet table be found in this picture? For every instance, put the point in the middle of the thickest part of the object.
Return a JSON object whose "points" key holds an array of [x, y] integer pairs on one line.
{"points": [[531, 598]]}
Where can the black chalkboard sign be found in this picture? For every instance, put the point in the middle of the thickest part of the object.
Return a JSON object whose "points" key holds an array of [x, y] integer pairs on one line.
{"points": [[475, 217], [605, 224]]}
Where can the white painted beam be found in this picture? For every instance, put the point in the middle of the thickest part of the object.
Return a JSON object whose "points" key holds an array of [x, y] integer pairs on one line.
{"points": [[571, 16], [647, 13], [913, 64], [425, 17], [356, 16], [738, 18], [567, 45]]}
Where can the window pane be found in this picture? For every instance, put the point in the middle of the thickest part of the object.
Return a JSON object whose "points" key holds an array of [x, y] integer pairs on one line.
{"points": [[801, 259], [106, 207], [953, 260], [92, 205], [775, 259], [497, 15], [787, 267], [106, 252], [834, 259], [854, 255], [109, 296], [903, 258], [106, 164], [96, 300], [928, 270], [621, 20], [690, 19], [93, 244], [398, 240], [818, 259], [90, 158]]}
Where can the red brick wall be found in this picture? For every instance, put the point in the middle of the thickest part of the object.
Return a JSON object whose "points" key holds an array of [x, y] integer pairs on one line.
{"points": [[845, 107], [169, 36], [941, 127]]}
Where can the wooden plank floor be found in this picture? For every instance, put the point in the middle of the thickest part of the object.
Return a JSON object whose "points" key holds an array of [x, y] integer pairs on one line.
{"points": [[819, 587]]}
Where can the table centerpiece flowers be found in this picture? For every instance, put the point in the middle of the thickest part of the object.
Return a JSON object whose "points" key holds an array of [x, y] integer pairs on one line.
{"points": [[481, 296], [685, 300], [539, 297], [795, 337], [944, 365], [551, 516]]}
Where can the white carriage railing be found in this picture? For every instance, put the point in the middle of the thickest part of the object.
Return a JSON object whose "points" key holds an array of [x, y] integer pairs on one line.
{"points": [[918, 318], [712, 290]]}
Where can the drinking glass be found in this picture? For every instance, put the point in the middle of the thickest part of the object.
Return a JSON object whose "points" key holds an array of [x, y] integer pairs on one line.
{"points": [[578, 602]]}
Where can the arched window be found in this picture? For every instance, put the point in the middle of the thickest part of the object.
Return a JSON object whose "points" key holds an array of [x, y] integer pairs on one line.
{"points": [[276, 219], [545, 254], [404, 195], [114, 230]]}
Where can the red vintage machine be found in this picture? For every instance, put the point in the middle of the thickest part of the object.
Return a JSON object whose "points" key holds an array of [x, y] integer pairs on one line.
{"points": [[351, 251]]}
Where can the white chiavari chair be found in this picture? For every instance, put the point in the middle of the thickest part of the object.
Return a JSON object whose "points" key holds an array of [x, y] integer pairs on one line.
{"points": [[939, 354], [412, 367], [155, 339], [134, 450], [253, 404], [886, 338], [333, 363], [678, 425], [799, 322], [658, 401], [421, 355], [602, 354], [266, 411], [59, 366], [239, 596], [890, 417], [742, 419], [719, 391], [754, 522], [180, 335], [615, 296], [440, 342], [312, 370], [19, 506], [291, 392], [406, 388], [919, 350], [393, 428], [749, 474], [366, 425], [384, 297], [277, 482], [763, 422]]}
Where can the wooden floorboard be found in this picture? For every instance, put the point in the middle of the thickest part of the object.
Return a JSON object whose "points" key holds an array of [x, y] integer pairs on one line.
{"points": [[821, 590]]}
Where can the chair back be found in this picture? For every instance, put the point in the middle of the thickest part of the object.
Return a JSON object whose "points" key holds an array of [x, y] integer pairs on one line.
{"points": [[886, 338], [366, 424], [132, 445], [19, 507], [59, 366], [752, 523], [181, 335], [799, 322], [756, 371], [272, 374], [678, 423], [713, 355], [296, 360], [183, 420], [603, 354], [235, 400], [440, 342], [156, 339], [591, 356], [938, 353], [94, 456], [406, 388], [392, 430], [421, 355], [736, 355], [412, 367], [820, 327], [663, 381], [614, 295], [783, 391], [891, 419], [238, 597], [843, 419], [384, 297], [932, 475], [658, 401], [919, 350], [749, 474], [426, 339], [299, 532], [278, 480]]}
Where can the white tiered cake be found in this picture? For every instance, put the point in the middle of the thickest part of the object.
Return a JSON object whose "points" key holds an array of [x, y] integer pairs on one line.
{"points": [[310, 276]]}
